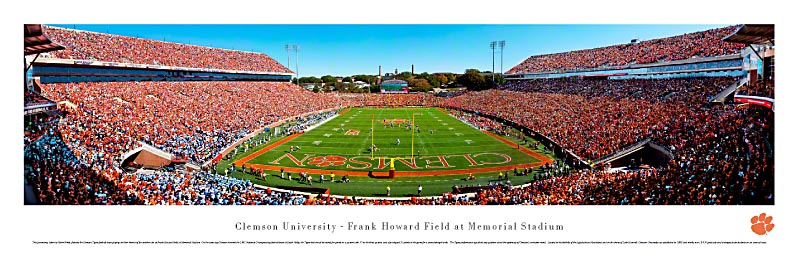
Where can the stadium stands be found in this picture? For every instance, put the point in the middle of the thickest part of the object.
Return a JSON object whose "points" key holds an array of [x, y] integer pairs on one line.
{"points": [[723, 154], [617, 113], [110, 118], [699, 44], [33, 99], [192, 120], [715, 147], [595, 118], [86, 45], [758, 88], [58, 177], [37, 126], [201, 188], [731, 166], [410, 99]]}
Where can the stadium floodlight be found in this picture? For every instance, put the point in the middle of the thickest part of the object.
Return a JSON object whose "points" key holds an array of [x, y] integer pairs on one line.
{"points": [[296, 48], [288, 52], [296, 62], [493, 52], [501, 56]]}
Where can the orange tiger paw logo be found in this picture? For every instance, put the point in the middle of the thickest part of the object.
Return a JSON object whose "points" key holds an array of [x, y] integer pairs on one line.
{"points": [[762, 224]]}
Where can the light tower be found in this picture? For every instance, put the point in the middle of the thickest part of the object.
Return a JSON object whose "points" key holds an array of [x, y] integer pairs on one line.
{"points": [[288, 53], [493, 52], [501, 56], [288, 62], [296, 62]]}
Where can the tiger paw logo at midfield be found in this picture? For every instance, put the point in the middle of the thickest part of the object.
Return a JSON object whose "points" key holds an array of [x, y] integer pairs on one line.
{"points": [[325, 161], [762, 224], [352, 132]]}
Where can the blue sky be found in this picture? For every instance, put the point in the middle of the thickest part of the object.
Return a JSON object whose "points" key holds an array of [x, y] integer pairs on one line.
{"points": [[342, 50]]}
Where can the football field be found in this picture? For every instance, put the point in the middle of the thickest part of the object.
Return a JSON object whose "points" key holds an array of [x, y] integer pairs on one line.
{"points": [[428, 147]]}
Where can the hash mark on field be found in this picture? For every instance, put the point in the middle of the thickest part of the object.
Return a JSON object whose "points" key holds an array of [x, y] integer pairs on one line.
{"points": [[347, 121], [317, 143], [450, 128], [445, 124], [335, 129], [468, 141], [458, 134], [328, 135], [440, 120]]}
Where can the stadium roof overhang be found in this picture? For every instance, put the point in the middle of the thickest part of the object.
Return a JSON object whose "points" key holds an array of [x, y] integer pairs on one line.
{"points": [[36, 42], [752, 34]]}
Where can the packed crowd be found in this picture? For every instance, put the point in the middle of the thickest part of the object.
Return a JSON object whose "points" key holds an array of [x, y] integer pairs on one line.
{"points": [[76, 161], [32, 98], [596, 118], [85, 45], [376, 99], [37, 125], [685, 91], [758, 88], [58, 177], [727, 161], [192, 120], [723, 155], [698, 44], [201, 188]]}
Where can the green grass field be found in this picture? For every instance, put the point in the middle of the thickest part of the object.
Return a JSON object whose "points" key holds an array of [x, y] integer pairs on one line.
{"points": [[441, 158]]}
